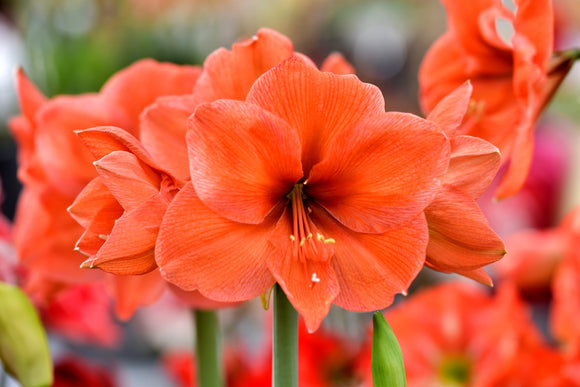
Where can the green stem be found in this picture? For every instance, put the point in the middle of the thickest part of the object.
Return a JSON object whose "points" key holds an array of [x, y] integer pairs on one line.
{"points": [[208, 348], [284, 342]]}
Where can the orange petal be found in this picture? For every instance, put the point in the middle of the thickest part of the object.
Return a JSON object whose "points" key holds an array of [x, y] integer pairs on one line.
{"points": [[535, 21], [335, 63], [128, 250], [139, 85], [381, 172], [231, 74], [58, 119], [459, 236], [194, 299], [45, 237], [442, 70], [470, 24], [372, 268], [29, 97], [520, 162], [95, 208], [107, 139], [199, 250], [133, 291], [130, 181], [163, 128], [450, 111], [319, 105], [310, 286], [243, 160], [89, 244], [473, 165], [478, 275]]}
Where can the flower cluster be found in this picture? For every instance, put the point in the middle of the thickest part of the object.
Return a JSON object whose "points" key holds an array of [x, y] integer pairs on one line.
{"points": [[257, 169]]}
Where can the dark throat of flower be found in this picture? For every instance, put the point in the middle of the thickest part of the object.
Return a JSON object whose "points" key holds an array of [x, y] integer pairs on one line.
{"points": [[308, 244]]}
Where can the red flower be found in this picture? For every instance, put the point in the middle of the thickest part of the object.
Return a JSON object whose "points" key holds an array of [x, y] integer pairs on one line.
{"points": [[55, 166], [566, 285], [456, 334], [460, 239], [308, 183], [512, 82], [74, 372], [83, 314]]}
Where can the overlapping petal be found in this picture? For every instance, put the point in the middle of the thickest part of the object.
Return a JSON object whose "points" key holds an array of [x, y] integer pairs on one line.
{"points": [[243, 159], [372, 268], [460, 236], [318, 105], [139, 85], [231, 74], [134, 255], [473, 165], [163, 129], [381, 172], [198, 249]]}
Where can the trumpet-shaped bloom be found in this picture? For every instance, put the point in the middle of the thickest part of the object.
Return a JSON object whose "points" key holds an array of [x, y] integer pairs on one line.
{"points": [[460, 239], [512, 81], [54, 166], [309, 183]]}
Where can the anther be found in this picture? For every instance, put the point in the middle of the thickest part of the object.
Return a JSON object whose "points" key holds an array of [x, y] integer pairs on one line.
{"points": [[315, 278], [292, 238]]}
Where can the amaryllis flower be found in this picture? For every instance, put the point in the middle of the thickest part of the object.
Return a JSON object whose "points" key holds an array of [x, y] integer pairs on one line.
{"points": [[512, 81], [121, 211], [54, 166], [457, 334], [309, 183], [460, 239]]}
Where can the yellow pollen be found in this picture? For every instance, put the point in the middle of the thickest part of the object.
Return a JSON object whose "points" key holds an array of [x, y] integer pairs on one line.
{"points": [[302, 242], [329, 240], [292, 238]]}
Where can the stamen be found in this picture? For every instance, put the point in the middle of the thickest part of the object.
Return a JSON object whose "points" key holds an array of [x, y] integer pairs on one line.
{"points": [[315, 278], [292, 238]]}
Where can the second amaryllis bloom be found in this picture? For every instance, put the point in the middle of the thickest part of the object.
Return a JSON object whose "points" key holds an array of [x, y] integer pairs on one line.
{"points": [[310, 184]]}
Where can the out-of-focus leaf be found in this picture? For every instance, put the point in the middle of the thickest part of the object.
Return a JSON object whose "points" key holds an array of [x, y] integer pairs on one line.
{"points": [[387, 359], [23, 345]]}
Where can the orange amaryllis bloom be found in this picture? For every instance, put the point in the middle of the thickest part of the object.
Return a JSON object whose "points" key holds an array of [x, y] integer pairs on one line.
{"points": [[460, 238], [309, 183], [122, 208], [226, 74], [121, 211], [455, 334], [54, 165], [512, 82]]}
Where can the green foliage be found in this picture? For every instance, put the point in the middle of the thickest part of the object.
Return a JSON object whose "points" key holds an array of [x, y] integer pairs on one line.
{"points": [[387, 359]]}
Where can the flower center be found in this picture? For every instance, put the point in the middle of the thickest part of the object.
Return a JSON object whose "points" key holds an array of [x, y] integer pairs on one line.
{"points": [[308, 244]]}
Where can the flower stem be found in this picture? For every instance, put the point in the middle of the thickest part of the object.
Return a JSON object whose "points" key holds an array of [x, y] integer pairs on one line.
{"points": [[208, 349], [284, 342]]}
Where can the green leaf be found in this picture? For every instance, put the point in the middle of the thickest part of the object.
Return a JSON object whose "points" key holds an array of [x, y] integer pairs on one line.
{"points": [[387, 359], [23, 345]]}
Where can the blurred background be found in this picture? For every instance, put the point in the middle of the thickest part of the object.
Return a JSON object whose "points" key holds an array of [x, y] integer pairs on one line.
{"points": [[74, 46]]}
